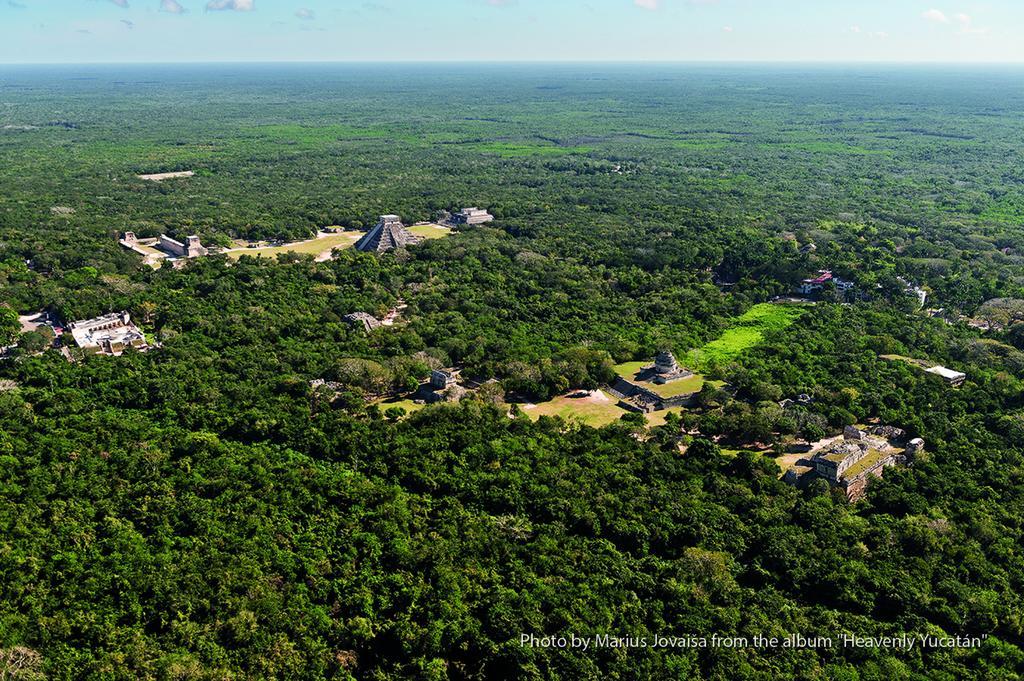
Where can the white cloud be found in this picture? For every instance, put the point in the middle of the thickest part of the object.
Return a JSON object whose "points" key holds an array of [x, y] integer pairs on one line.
{"points": [[172, 6], [727, 29], [855, 29], [236, 5], [120, 3], [967, 25], [647, 4], [305, 13], [937, 16]]}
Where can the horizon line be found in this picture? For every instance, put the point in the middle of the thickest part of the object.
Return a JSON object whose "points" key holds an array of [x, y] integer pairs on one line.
{"points": [[485, 62]]}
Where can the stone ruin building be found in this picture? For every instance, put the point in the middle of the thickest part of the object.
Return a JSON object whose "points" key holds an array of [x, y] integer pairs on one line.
{"points": [[851, 462], [442, 387], [387, 235], [164, 247], [190, 249], [364, 319], [441, 379], [466, 216], [666, 369], [471, 216], [110, 334], [636, 396]]}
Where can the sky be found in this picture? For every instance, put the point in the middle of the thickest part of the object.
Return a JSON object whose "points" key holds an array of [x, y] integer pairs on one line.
{"points": [[141, 31]]}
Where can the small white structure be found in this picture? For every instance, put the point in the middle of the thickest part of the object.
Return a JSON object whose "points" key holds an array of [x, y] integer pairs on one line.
{"points": [[811, 286], [949, 375], [110, 334]]}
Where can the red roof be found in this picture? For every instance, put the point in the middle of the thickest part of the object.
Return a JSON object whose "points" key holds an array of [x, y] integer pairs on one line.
{"points": [[820, 279]]}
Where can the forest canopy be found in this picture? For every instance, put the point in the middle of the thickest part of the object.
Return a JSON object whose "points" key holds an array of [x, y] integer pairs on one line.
{"points": [[257, 496]]}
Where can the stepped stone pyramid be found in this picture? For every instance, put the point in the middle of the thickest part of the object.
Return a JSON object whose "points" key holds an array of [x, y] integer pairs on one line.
{"points": [[388, 234]]}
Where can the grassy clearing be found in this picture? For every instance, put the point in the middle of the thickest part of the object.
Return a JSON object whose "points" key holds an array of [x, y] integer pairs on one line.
{"points": [[313, 246], [700, 145], [629, 370], [408, 405], [683, 386], [430, 231], [657, 418], [748, 331], [525, 149], [591, 411], [829, 148]]}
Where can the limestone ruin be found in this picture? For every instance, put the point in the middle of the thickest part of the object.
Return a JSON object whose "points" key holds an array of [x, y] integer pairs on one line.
{"points": [[851, 461], [388, 234], [110, 334]]}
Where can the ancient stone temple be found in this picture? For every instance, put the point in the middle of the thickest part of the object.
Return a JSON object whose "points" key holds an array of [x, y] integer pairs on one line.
{"points": [[388, 234], [471, 216], [666, 369], [164, 247], [854, 460], [364, 319], [110, 334], [441, 379]]}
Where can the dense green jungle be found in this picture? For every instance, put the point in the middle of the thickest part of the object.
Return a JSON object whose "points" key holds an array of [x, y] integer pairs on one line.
{"points": [[210, 510]]}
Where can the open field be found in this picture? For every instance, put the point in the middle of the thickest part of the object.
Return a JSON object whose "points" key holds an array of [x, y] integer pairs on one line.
{"points": [[525, 149], [157, 177], [597, 409], [320, 246], [430, 231], [408, 405], [594, 411], [748, 331], [326, 242], [919, 363], [657, 418], [629, 370], [149, 250]]}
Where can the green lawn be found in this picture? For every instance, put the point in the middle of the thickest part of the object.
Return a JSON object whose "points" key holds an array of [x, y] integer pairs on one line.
{"points": [[629, 370], [657, 418], [683, 386], [748, 331], [430, 231], [588, 410], [408, 405], [521, 149], [312, 246]]}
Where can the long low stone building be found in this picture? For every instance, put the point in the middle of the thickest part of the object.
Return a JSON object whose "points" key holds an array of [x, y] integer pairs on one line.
{"points": [[164, 247], [854, 460], [110, 334]]}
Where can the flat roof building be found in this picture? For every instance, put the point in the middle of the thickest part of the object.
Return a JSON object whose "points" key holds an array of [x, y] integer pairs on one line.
{"points": [[949, 375], [110, 334], [472, 216]]}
